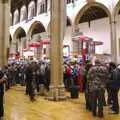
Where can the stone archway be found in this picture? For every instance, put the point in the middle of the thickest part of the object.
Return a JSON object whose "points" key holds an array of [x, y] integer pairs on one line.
{"points": [[36, 33], [20, 32], [93, 20], [87, 6], [36, 27], [19, 41]]}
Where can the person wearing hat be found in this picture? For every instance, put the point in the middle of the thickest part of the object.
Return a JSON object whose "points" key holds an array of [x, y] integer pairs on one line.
{"points": [[2, 80]]}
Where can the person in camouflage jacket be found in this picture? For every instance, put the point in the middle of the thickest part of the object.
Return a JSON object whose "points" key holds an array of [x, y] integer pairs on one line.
{"points": [[97, 79]]}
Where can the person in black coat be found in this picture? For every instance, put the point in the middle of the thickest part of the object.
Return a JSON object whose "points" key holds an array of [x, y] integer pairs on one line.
{"points": [[47, 77], [113, 85], [88, 94], [2, 80], [29, 82]]}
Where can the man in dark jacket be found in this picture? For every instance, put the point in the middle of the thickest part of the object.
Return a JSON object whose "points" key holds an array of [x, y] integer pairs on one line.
{"points": [[114, 84], [2, 80], [47, 77], [30, 78]]}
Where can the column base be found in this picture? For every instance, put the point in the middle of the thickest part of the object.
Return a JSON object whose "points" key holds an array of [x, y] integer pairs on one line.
{"points": [[56, 93]]}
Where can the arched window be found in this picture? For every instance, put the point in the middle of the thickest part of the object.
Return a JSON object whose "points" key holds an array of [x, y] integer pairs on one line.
{"points": [[16, 17], [39, 7], [23, 15], [42, 6], [31, 9], [10, 19], [36, 27]]}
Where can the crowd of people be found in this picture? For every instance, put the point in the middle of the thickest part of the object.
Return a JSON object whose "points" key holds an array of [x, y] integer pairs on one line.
{"points": [[93, 80], [32, 75], [101, 78]]}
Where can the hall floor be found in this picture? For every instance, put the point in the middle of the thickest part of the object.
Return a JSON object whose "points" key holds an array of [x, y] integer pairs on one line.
{"points": [[18, 107]]}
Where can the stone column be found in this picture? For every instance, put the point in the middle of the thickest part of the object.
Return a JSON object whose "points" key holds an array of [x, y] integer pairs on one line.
{"points": [[58, 21], [4, 30], [113, 41]]}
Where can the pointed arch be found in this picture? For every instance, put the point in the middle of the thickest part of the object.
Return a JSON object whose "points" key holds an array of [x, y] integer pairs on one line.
{"points": [[19, 33], [19, 40], [87, 6], [36, 27]]}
